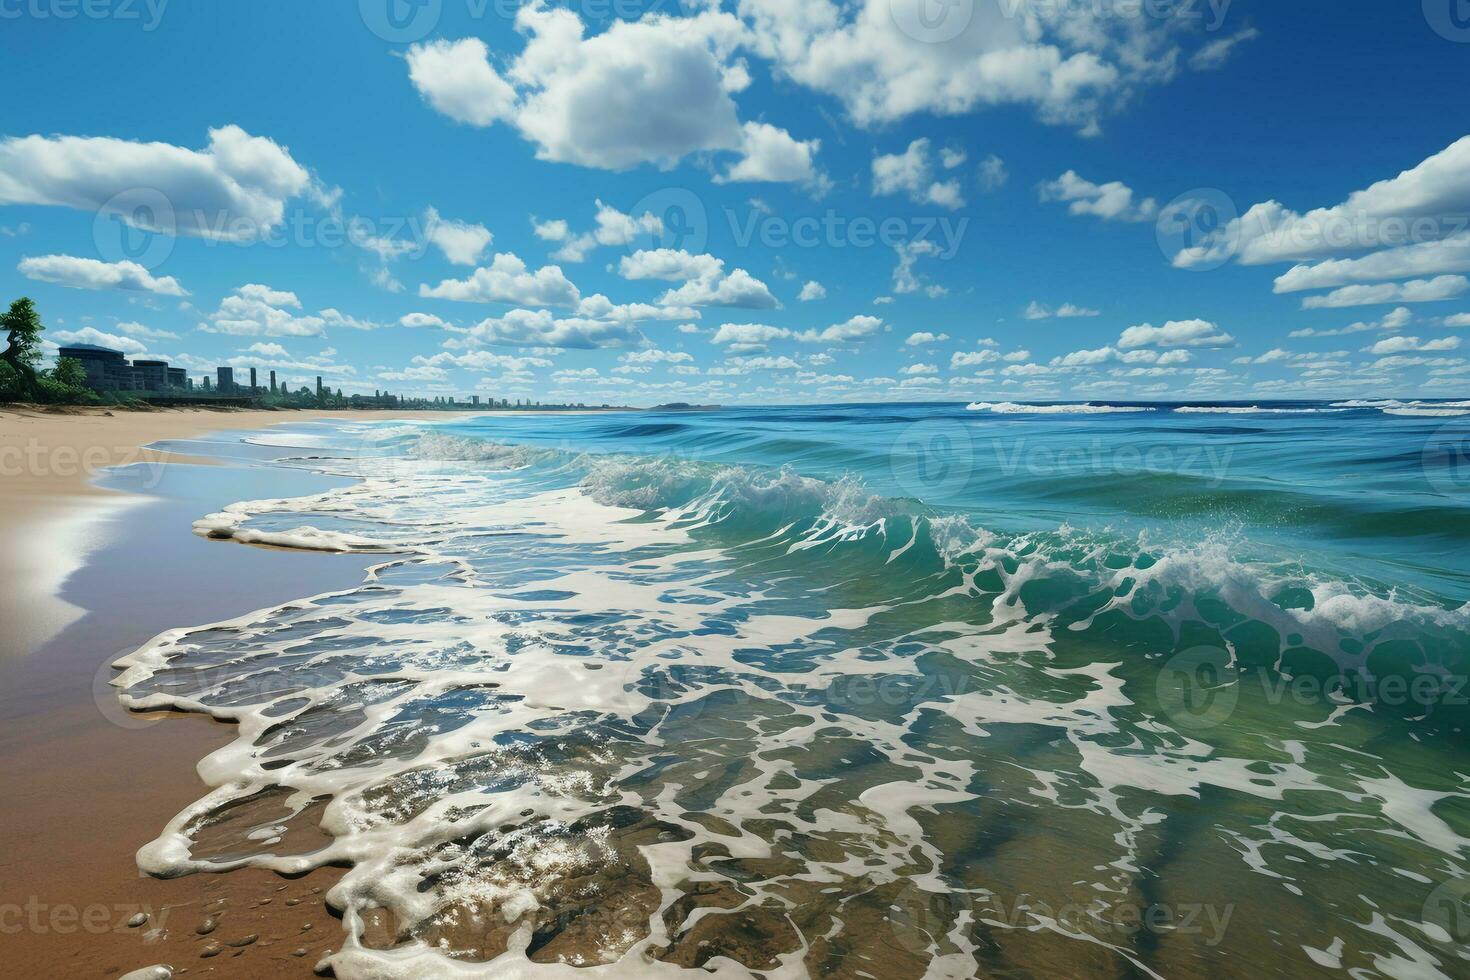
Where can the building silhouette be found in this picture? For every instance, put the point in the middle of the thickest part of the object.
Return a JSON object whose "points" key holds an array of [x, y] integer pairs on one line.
{"points": [[109, 370], [150, 375]]}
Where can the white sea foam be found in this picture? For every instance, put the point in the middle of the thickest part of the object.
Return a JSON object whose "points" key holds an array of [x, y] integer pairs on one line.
{"points": [[1012, 408], [1247, 410], [1427, 412], [1411, 408], [671, 639]]}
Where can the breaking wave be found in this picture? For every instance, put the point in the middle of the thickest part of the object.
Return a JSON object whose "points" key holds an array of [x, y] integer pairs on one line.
{"points": [[631, 715]]}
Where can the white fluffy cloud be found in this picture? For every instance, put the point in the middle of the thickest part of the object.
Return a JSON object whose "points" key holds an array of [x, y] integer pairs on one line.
{"points": [[1414, 291], [91, 335], [905, 279], [462, 243], [993, 173], [924, 338], [455, 77], [912, 173], [82, 273], [773, 155], [134, 329], [812, 291], [749, 334], [508, 280], [482, 360], [256, 310], [1112, 201], [886, 61], [647, 91], [856, 328], [1392, 213], [1105, 355], [1401, 345], [1040, 311], [705, 282], [1394, 319], [968, 358], [669, 264], [1176, 333], [655, 356], [540, 328], [614, 228], [1407, 261], [236, 188]]}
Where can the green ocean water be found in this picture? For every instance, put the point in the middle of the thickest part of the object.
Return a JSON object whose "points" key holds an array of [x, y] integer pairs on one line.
{"points": [[897, 691]]}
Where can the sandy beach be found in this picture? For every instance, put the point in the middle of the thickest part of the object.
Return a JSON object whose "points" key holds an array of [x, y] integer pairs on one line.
{"points": [[49, 461], [82, 794]]}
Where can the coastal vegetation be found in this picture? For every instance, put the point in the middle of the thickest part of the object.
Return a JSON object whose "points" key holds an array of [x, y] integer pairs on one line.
{"points": [[22, 378]]}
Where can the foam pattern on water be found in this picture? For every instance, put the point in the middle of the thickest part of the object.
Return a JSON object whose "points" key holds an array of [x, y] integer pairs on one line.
{"points": [[631, 716]]}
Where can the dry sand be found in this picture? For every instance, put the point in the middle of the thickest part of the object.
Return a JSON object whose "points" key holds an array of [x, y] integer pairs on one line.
{"points": [[83, 795], [48, 460]]}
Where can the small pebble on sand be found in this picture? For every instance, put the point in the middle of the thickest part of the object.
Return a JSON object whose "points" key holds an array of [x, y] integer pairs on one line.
{"points": [[138, 920], [159, 972], [210, 924]]}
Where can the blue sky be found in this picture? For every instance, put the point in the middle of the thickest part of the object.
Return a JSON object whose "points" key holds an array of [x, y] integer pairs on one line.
{"points": [[758, 201]]}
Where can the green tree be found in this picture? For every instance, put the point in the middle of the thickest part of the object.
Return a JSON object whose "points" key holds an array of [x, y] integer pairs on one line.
{"points": [[70, 373], [22, 326], [66, 383]]}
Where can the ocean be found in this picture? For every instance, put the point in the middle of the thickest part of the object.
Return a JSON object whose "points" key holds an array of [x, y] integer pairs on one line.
{"points": [[857, 691]]}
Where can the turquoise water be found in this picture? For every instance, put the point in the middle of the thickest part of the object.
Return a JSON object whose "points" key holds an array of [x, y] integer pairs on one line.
{"points": [[891, 691]]}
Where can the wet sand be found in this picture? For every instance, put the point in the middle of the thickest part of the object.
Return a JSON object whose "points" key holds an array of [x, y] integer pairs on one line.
{"points": [[48, 462], [86, 783]]}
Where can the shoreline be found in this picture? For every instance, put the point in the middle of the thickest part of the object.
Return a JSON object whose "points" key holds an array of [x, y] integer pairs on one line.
{"points": [[83, 794], [53, 506]]}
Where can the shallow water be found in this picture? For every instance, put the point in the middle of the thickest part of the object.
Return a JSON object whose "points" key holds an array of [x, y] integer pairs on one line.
{"points": [[897, 691]]}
